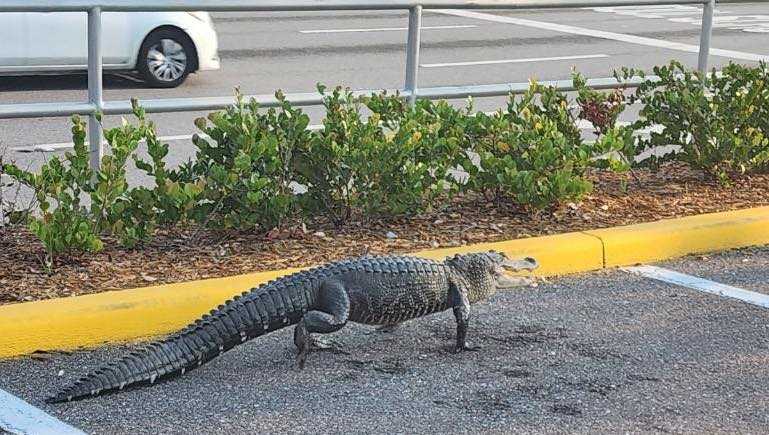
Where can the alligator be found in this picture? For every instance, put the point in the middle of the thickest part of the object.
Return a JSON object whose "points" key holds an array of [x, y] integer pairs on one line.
{"points": [[372, 290]]}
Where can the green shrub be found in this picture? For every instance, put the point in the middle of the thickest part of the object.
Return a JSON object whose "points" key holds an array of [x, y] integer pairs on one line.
{"points": [[327, 164], [394, 162], [64, 222], [244, 167], [533, 152], [720, 121], [174, 194], [409, 171]]}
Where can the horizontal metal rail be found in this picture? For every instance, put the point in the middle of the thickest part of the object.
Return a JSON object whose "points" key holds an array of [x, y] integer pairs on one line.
{"points": [[311, 5], [45, 110], [95, 105], [37, 110]]}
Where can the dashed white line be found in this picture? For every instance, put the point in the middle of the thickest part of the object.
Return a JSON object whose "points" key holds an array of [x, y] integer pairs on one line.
{"points": [[746, 23], [622, 37], [693, 15], [19, 417], [387, 29], [701, 284], [652, 11], [523, 60]]}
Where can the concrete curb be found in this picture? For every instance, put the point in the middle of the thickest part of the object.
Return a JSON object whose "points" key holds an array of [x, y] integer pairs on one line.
{"points": [[120, 316]]}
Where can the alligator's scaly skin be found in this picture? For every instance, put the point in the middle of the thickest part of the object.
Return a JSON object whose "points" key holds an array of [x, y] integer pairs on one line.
{"points": [[372, 290]]}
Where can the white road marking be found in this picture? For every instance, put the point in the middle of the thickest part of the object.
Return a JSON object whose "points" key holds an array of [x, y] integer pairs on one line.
{"points": [[524, 60], [652, 11], [622, 37], [703, 285], [19, 417], [387, 29], [60, 146], [582, 124], [693, 15], [746, 23]]}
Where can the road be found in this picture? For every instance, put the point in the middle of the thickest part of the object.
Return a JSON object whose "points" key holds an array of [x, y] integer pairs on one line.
{"points": [[263, 52], [606, 352]]}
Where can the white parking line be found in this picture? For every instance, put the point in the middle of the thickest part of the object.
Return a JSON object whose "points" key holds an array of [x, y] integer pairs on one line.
{"points": [[388, 29], [703, 285], [59, 146], [622, 37], [693, 15], [19, 417], [524, 60], [652, 11], [746, 23]]}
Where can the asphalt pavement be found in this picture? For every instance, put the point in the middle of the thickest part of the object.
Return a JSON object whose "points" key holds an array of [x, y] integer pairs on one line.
{"points": [[606, 352]]}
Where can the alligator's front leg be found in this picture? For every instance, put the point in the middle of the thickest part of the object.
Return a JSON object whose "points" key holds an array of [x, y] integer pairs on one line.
{"points": [[331, 315], [461, 306]]}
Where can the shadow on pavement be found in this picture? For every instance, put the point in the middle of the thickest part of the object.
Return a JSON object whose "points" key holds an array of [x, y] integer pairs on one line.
{"points": [[66, 82]]}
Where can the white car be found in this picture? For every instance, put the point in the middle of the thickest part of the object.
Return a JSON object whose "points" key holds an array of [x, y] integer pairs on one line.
{"points": [[163, 47]]}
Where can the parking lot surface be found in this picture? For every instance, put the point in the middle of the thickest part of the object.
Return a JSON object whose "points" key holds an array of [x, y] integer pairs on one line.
{"points": [[605, 352]]}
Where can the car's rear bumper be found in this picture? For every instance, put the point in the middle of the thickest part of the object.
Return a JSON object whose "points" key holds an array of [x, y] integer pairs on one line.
{"points": [[207, 44], [212, 63]]}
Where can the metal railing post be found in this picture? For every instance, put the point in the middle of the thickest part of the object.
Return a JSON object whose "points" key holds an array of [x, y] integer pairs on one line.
{"points": [[412, 52], [705, 34], [95, 97]]}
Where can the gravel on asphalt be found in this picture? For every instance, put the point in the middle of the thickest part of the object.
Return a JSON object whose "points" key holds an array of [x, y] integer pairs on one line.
{"points": [[605, 352]]}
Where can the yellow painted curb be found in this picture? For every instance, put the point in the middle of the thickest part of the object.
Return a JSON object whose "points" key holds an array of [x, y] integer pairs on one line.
{"points": [[114, 316], [560, 254], [119, 316], [655, 241]]}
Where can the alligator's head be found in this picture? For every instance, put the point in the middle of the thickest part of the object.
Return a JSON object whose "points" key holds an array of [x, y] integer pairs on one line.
{"points": [[485, 273]]}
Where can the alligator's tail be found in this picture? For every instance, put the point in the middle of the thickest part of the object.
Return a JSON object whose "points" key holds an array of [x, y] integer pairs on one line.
{"points": [[250, 315]]}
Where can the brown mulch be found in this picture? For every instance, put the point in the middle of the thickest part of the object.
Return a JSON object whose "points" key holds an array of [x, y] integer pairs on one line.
{"points": [[193, 254]]}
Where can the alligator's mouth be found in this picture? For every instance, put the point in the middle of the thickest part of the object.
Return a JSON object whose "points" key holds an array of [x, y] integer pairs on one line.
{"points": [[504, 281]]}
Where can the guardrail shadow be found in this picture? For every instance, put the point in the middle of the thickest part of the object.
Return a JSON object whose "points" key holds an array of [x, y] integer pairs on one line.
{"points": [[66, 82]]}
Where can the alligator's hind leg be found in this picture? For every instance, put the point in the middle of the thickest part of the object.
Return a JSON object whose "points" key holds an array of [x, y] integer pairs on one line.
{"points": [[331, 315]]}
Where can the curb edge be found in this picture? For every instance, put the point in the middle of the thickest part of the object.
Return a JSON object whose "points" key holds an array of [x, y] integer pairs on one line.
{"points": [[141, 313]]}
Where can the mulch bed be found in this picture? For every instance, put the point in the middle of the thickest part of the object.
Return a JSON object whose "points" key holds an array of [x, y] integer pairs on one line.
{"points": [[174, 256]]}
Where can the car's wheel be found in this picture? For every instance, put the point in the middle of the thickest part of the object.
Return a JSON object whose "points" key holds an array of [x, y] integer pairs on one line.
{"points": [[167, 56]]}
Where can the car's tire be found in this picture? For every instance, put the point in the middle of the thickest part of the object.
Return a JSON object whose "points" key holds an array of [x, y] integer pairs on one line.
{"points": [[166, 57]]}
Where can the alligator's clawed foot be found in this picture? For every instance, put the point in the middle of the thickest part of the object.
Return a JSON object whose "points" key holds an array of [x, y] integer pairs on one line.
{"points": [[321, 344], [301, 358], [466, 347], [303, 341]]}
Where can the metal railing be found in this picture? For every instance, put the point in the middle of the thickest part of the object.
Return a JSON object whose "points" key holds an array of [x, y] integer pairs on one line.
{"points": [[94, 8]]}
